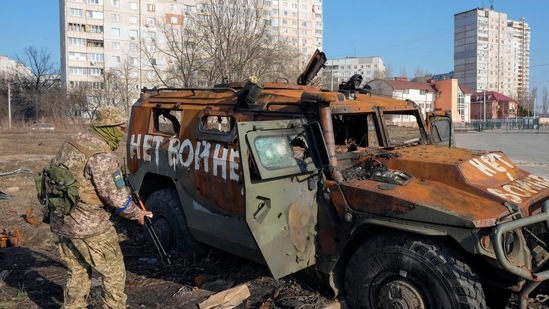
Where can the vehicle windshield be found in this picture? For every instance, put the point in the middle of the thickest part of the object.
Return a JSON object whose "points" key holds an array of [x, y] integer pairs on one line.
{"points": [[354, 131]]}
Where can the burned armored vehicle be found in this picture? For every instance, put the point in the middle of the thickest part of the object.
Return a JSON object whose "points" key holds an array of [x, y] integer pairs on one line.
{"points": [[358, 191]]}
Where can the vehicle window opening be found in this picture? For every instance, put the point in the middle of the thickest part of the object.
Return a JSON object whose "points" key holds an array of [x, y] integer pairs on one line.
{"points": [[402, 129], [167, 121], [352, 132], [216, 124]]}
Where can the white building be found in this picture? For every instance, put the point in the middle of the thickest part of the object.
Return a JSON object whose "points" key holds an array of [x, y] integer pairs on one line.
{"points": [[340, 70], [102, 34], [491, 52]]}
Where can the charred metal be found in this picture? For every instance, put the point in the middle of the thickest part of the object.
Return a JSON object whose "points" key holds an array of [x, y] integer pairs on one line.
{"points": [[340, 184]]}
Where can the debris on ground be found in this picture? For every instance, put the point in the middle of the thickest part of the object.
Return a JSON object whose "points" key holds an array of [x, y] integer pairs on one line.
{"points": [[227, 299]]}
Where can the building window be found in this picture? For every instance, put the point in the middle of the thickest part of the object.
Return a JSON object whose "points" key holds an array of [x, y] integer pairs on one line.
{"points": [[189, 9], [116, 59], [133, 20], [96, 29], [115, 31], [151, 21], [76, 71], [151, 48], [94, 71], [151, 7], [99, 2], [173, 20], [77, 27], [152, 34], [115, 3], [115, 17], [173, 7], [95, 57], [76, 12], [115, 45], [94, 14], [133, 60], [133, 33], [94, 43], [77, 41], [133, 5], [134, 47], [77, 56]]}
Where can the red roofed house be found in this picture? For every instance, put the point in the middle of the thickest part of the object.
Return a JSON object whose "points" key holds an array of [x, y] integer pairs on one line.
{"points": [[498, 106]]}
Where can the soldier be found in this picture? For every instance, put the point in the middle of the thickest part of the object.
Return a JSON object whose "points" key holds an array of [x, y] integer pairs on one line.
{"points": [[87, 238]]}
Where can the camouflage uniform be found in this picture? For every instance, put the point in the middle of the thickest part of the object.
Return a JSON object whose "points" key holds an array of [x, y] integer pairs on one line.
{"points": [[87, 238]]}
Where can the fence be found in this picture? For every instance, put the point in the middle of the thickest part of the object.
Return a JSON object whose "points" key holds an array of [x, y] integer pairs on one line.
{"points": [[531, 124]]}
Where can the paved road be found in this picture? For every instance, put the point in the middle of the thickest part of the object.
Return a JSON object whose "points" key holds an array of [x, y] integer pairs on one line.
{"points": [[529, 150]]}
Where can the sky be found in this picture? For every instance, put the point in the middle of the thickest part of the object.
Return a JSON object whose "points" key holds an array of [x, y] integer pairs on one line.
{"points": [[406, 34]]}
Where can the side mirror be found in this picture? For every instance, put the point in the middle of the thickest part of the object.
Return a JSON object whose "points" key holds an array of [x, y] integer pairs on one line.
{"points": [[317, 145]]}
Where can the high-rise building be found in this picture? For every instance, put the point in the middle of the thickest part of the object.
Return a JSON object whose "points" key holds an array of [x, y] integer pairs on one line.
{"points": [[97, 35], [300, 22], [491, 53]]}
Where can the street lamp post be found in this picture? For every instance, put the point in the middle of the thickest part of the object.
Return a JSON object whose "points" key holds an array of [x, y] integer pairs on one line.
{"points": [[484, 92], [9, 104]]}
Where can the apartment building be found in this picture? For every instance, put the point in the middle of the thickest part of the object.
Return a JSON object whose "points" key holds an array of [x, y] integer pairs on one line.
{"points": [[300, 22], [97, 35], [340, 70], [491, 53]]}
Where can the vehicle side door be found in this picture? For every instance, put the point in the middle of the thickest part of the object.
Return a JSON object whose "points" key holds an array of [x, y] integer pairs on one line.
{"points": [[280, 192]]}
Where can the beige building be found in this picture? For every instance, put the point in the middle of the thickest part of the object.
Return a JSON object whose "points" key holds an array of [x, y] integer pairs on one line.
{"points": [[340, 70], [101, 34], [491, 52]]}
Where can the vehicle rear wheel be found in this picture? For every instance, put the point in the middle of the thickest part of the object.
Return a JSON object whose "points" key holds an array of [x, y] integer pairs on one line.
{"points": [[408, 271], [170, 224]]}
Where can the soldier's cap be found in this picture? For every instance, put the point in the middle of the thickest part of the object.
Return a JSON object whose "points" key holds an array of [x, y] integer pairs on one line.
{"points": [[109, 116]]}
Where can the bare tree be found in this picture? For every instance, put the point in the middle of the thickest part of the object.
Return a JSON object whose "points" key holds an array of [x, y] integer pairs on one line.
{"points": [[115, 88], [181, 51], [532, 98], [389, 72], [39, 76], [224, 41], [544, 102]]}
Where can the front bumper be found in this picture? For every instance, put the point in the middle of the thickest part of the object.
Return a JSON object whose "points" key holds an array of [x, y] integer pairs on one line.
{"points": [[534, 278]]}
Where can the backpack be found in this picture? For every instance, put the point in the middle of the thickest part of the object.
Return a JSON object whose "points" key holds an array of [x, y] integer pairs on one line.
{"points": [[57, 190]]}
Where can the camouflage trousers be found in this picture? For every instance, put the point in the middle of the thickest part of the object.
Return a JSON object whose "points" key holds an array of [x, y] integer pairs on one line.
{"points": [[103, 254]]}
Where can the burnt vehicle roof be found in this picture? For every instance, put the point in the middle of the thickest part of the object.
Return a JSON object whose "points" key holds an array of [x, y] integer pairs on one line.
{"points": [[273, 97]]}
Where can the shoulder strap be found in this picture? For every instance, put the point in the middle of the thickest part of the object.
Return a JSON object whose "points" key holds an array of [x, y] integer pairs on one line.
{"points": [[86, 151]]}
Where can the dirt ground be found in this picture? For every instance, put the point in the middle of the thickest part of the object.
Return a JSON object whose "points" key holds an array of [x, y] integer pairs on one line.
{"points": [[32, 276]]}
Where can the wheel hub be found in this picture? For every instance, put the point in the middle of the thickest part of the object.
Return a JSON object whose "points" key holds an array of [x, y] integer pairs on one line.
{"points": [[400, 294], [163, 230]]}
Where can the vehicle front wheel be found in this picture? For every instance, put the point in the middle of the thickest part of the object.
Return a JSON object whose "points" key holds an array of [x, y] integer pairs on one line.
{"points": [[408, 271], [170, 224]]}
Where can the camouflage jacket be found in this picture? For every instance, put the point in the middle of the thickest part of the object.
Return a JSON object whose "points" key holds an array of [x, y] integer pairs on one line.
{"points": [[101, 190]]}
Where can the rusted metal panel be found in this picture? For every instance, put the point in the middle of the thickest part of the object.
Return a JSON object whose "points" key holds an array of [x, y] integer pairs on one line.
{"points": [[489, 175], [424, 201]]}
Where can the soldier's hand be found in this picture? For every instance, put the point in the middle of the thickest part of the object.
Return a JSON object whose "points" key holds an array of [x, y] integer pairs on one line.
{"points": [[142, 215]]}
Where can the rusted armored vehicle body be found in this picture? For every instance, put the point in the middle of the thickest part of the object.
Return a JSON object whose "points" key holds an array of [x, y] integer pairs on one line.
{"points": [[358, 191]]}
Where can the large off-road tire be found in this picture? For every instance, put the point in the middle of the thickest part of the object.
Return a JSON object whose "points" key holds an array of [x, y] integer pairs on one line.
{"points": [[408, 271], [170, 224]]}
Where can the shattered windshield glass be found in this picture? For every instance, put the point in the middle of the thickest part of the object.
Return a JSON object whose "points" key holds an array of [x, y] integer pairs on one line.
{"points": [[277, 151]]}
